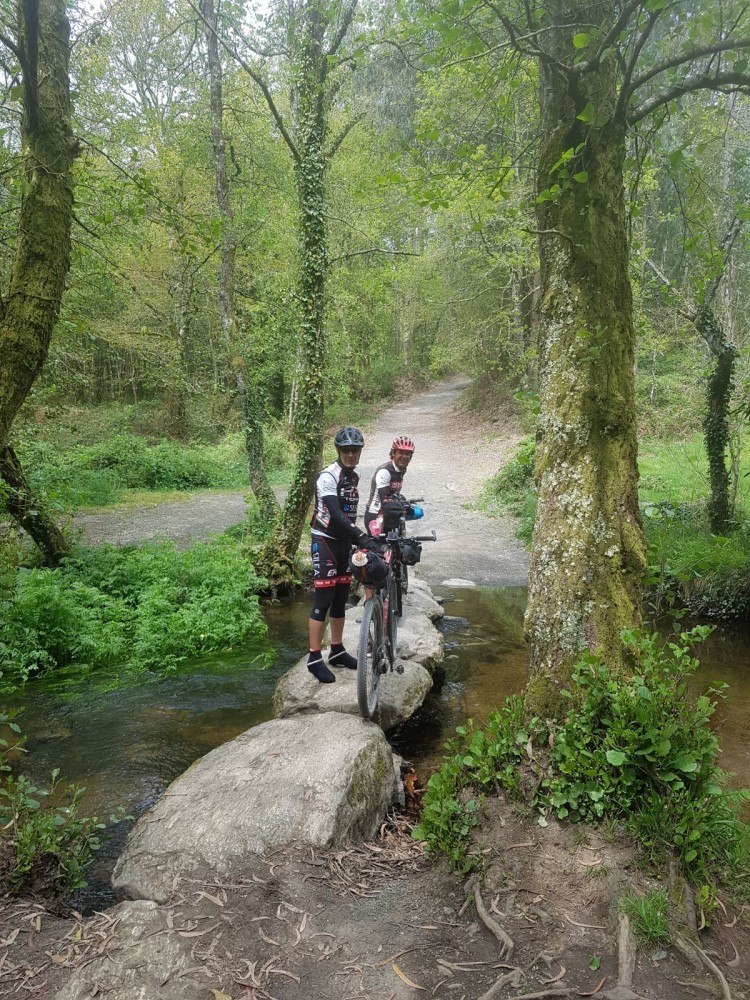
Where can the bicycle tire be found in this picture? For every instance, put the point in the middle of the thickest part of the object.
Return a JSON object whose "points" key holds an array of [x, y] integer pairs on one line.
{"points": [[392, 620], [369, 654]]}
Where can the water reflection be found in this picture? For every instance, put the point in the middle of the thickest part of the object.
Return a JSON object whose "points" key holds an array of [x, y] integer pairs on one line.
{"points": [[485, 661]]}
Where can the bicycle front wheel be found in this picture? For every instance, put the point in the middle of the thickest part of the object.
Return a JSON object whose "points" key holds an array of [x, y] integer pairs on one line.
{"points": [[392, 619], [369, 656]]}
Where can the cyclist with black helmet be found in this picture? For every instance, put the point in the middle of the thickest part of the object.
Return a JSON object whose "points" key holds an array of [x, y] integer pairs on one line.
{"points": [[387, 482], [334, 531]]}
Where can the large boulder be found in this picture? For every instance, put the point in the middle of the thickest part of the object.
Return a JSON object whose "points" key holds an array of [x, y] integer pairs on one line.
{"points": [[420, 599], [321, 779]]}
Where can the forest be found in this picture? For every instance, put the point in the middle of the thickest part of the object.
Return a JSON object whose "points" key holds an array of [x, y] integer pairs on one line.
{"points": [[228, 228]]}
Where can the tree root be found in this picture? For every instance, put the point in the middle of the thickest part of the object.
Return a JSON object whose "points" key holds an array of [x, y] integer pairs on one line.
{"points": [[507, 979], [691, 951], [506, 942]]}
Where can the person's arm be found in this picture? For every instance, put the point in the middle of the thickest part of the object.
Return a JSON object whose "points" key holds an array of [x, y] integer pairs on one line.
{"points": [[340, 525], [383, 485]]}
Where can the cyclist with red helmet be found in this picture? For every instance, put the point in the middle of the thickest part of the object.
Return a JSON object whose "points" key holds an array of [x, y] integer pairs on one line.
{"points": [[334, 531], [387, 482]]}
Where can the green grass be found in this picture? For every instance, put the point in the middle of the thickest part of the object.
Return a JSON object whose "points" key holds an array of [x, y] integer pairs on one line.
{"points": [[649, 915]]}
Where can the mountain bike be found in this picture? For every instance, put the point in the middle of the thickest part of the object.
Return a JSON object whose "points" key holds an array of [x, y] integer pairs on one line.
{"points": [[378, 633]]}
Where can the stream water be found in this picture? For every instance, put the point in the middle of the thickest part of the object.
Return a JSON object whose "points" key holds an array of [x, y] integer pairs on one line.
{"points": [[126, 744]]}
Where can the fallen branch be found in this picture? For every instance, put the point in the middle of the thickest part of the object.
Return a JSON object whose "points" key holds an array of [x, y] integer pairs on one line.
{"points": [[506, 942]]}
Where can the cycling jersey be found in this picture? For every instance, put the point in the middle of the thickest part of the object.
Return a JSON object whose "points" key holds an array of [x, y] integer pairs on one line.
{"points": [[336, 502], [387, 480]]}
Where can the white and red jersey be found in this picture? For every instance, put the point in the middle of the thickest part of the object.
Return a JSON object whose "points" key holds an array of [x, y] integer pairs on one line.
{"points": [[341, 483], [388, 479]]}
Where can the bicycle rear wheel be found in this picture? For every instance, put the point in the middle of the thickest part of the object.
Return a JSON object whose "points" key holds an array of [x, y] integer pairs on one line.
{"points": [[369, 656]]}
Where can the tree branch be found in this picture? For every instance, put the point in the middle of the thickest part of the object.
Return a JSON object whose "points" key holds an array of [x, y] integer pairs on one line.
{"points": [[625, 89], [258, 79], [717, 82], [614, 31], [334, 147], [690, 313], [691, 55], [390, 253], [343, 28]]}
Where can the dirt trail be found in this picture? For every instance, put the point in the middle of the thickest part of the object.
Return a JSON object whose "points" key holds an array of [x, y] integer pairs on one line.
{"points": [[455, 455]]}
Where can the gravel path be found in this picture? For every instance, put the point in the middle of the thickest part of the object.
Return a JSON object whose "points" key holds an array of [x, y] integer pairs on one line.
{"points": [[455, 455]]}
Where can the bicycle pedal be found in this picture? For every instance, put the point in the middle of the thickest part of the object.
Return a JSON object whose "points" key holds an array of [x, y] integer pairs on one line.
{"points": [[400, 668]]}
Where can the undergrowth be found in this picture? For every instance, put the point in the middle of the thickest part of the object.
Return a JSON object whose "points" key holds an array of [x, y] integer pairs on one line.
{"points": [[638, 750], [149, 606], [512, 490], [50, 846]]}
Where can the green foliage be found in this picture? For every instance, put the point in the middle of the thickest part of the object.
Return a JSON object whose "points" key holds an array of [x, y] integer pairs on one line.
{"points": [[634, 749], [649, 915], [482, 760], [512, 489], [148, 606], [53, 845]]}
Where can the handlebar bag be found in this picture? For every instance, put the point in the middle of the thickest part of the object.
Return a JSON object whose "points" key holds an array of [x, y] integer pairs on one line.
{"points": [[411, 551]]}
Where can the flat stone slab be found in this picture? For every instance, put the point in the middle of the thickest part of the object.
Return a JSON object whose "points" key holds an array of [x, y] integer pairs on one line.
{"points": [[142, 961], [323, 780], [420, 650], [399, 695]]}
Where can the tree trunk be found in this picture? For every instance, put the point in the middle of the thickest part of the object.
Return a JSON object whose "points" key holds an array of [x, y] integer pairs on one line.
{"points": [[247, 395], [28, 512], [278, 557], [42, 255], [588, 555], [716, 420]]}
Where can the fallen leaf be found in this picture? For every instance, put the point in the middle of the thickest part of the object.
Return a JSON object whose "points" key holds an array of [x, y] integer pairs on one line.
{"points": [[555, 979], [404, 978], [736, 960], [596, 989], [218, 995]]}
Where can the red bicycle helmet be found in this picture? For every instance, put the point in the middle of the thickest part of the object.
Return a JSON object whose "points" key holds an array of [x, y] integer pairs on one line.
{"points": [[403, 443]]}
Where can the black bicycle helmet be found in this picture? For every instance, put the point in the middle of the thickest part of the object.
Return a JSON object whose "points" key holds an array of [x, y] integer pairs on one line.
{"points": [[349, 437]]}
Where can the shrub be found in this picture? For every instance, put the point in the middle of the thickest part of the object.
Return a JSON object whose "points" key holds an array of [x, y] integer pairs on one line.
{"points": [[636, 749], [148, 606], [53, 845], [512, 489]]}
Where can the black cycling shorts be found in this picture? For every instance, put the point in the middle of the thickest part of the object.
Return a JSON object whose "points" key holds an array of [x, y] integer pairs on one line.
{"points": [[330, 559]]}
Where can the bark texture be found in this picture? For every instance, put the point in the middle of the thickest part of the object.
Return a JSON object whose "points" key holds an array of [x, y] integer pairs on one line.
{"points": [[278, 558], [42, 256], [588, 555], [716, 421], [248, 397], [28, 512]]}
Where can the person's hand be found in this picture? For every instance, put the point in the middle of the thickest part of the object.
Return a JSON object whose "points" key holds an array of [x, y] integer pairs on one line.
{"points": [[366, 541]]}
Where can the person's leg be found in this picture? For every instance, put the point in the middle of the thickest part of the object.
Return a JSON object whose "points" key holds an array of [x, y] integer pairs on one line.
{"points": [[324, 564], [338, 657]]}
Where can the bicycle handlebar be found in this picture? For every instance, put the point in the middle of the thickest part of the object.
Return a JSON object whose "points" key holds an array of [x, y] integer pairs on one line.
{"points": [[423, 538]]}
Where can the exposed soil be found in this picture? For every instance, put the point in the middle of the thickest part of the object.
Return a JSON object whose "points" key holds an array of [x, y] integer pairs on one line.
{"points": [[380, 921]]}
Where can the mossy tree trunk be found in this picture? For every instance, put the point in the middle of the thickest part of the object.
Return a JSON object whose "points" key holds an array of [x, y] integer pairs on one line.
{"points": [[310, 173], [42, 255], [247, 394], [716, 420], [26, 510], [588, 555]]}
